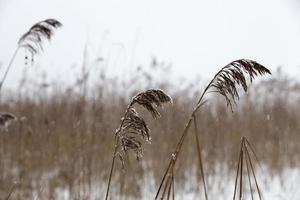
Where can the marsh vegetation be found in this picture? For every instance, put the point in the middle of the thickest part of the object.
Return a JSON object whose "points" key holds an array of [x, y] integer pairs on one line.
{"points": [[65, 139]]}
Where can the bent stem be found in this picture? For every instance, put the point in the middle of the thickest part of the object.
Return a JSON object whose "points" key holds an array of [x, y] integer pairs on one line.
{"points": [[8, 67], [116, 150], [225, 83], [180, 143], [173, 159], [112, 168], [114, 157]]}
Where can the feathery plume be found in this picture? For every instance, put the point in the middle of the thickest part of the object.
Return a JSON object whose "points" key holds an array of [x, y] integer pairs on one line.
{"points": [[133, 128], [33, 39], [235, 74], [225, 82]]}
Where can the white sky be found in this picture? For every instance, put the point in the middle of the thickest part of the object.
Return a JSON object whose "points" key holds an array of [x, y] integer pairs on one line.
{"points": [[197, 37]]}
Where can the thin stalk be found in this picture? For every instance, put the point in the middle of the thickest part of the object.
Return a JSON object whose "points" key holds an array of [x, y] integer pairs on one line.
{"points": [[163, 179], [174, 155], [245, 155], [241, 171], [226, 86], [184, 134], [116, 150], [252, 150], [173, 185], [254, 176], [199, 157], [170, 187], [237, 174], [112, 168], [249, 175], [8, 67], [168, 182], [11, 191]]}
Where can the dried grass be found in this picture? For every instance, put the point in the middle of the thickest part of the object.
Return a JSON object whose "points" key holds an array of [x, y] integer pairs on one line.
{"points": [[32, 41], [133, 127], [225, 83], [68, 142]]}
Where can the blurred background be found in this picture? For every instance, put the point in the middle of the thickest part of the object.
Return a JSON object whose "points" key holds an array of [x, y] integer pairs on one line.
{"points": [[197, 37], [69, 101]]}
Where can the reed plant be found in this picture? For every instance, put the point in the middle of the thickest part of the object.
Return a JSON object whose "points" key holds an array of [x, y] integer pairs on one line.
{"points": [[133, 127], [32, 41], [66, 141], [225, 83]]}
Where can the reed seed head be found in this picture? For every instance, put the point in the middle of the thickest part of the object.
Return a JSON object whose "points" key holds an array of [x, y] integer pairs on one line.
{"points": [[151, 99], [236, 74], [133, 128], [33, 39]]}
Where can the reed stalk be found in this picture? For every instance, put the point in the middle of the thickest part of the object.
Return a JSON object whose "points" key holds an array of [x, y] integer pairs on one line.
{"points": [[133, 127], [245, 160], [225, 83]]}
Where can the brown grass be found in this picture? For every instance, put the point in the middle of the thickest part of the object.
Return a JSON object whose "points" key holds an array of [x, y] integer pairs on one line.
{"points": [[133, 127], [63, 143], [60, 142], [225, 83]]}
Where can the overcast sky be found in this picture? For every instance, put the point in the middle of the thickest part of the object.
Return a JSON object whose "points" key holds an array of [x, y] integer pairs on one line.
{"points": [[197, 37]]}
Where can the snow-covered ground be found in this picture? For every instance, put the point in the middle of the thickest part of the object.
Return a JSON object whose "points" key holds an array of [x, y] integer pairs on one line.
{"points": [[285, 186]]}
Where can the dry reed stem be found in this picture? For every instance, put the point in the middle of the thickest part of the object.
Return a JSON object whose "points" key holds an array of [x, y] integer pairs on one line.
{"points": [[253, 174], [241, 171], [133, 127], [111, 171], [33, 40], [170, 188], [244, 156], [249, 177], [173, 185], [237, 172], [225, 83]]}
